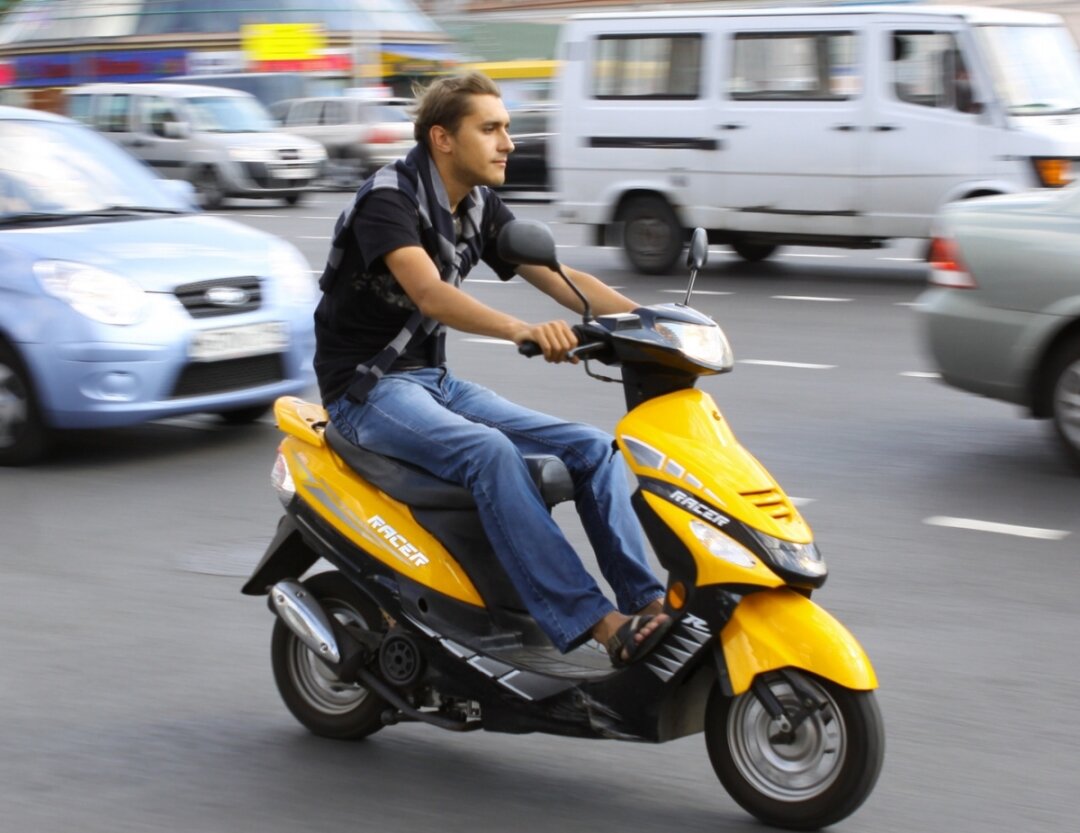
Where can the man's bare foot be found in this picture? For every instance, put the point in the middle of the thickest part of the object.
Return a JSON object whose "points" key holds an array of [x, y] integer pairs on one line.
{"points": [[606, 628], [653, 608]]}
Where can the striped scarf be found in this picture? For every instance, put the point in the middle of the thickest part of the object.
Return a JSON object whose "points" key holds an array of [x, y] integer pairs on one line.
{"points": [[418, 179]]}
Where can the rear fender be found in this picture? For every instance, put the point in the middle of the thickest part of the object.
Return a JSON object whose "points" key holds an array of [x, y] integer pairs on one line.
{"points": [[780, 628], [287, 556]]}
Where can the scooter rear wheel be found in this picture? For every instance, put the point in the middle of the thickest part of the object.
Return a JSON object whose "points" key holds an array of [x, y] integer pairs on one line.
{"points": [[815, 777], [326, 705]]}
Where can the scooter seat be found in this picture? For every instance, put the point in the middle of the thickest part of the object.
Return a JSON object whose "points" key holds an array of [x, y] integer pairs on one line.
{"points": [[415, 487]]}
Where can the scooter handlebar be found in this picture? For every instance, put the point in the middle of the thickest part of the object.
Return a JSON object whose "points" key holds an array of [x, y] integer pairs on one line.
{"points": [[529, 349]]}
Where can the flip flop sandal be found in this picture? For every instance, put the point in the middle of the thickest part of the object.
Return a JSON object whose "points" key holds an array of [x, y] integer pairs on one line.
{"points": [[623, 640]]}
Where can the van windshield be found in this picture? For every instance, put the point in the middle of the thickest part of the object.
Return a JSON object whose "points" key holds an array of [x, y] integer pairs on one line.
{"points": [[1036, 69], [229, 114]]}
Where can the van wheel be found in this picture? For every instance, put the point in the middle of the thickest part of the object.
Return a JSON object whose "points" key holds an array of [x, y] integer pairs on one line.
{"points": [[24, 437], [652, 236], [1064, 380], [753, 252], [209, 188], [294, 199]]}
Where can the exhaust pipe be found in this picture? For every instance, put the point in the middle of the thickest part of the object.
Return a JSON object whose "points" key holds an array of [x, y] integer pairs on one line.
{"points": [[304, 616]]}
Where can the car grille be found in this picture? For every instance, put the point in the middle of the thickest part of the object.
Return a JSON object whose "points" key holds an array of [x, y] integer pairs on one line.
{"points": [[772, 502], [200, 378], [223, 296]]}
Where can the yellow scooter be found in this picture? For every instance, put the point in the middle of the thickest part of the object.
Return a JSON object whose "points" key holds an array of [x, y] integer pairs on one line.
{"points": [[418, 623]]}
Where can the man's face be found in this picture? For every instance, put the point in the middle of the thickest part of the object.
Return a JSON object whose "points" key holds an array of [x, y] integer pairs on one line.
{"points": [[482, 143]]}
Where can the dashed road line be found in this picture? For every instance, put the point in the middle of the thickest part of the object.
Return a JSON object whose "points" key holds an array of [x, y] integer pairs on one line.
{"points": [[921, 374], [314, 237], [998, 528], [696, 292], [797, 365], [819, 298], [809, 254], [489, 341]]}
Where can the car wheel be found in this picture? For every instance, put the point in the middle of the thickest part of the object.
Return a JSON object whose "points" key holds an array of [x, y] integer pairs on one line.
{"points": [[1064, 380], [24, 437], [244, 416], [209, 188], [294, 199], [753, 252], [652, 236]]}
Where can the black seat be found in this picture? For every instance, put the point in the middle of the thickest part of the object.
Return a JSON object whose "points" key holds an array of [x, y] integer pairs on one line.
{"points": [[415, 487]]}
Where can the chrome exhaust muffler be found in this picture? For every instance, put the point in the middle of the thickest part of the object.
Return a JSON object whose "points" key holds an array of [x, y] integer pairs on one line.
{"points": [[305, 617]]}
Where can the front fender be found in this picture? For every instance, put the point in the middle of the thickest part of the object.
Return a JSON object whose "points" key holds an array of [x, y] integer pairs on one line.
{"points": [[780, 628]]}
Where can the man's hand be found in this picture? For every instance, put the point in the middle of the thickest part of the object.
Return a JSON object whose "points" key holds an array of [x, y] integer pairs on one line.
{"points": [[555, 339]]}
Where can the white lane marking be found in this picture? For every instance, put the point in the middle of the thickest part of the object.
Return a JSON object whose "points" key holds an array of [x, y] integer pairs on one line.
{"points": [[801, 501], [811, 298], [315, 237], [489, 341], [318, 218], [903, 259], [697, 292], [265, 215], [802, 254], [914, 304], [566, 246], [799, 365], [921, 374], [1001, 529]]}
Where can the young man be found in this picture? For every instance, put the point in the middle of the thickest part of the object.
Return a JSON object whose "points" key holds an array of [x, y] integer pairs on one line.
{"points": [[389, 290]]}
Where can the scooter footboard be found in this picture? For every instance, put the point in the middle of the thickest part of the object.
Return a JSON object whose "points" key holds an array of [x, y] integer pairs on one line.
{"points": [[780, 628]]}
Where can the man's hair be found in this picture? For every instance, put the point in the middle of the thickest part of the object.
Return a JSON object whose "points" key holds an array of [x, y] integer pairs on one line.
{"points": [[446, 101]]}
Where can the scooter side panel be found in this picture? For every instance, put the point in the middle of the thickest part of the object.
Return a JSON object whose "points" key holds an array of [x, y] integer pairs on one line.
{"points": [[780, 628], [683, 439], [373, 521], [298, 418]]}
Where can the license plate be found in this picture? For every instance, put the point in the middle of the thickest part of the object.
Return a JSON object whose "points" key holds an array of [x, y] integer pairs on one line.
{"points": [[295, 173], [237, 342]]}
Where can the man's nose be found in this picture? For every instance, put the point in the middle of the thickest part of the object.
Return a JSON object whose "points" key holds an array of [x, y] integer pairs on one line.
{"points": [[507, 142]]}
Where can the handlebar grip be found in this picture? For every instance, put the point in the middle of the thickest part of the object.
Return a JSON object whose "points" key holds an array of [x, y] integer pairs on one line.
{"points": [[529, 349]]}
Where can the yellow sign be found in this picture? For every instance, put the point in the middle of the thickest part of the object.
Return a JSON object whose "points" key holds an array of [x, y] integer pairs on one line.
{"points": [[282, 41]]}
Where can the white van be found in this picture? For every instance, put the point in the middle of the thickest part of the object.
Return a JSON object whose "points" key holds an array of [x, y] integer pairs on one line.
{"points": [[841, 126], [222, 141]]}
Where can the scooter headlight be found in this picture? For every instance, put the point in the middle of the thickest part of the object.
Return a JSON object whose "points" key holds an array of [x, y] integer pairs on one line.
{"points": [[797, 560], [723, 547], [704, 343], [282, 480]]}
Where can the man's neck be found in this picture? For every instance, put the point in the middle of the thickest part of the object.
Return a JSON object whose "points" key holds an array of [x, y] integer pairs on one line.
{"points": [[455, 191]]}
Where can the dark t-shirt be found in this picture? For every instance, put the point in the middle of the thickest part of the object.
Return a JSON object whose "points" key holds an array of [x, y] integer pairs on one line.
{"points": [[366, 307]]}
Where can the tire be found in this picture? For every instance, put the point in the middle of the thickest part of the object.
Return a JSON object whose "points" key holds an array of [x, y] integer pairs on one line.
{"points": [[24, 437], [652, 236], [819, 778], [208, 186], [753, 252], [322, 703], [1064, 380], [294, 199], [245, 416]]}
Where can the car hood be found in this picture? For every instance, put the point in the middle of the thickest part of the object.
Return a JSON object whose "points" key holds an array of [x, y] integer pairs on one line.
{"points": [[1060, 130], [273, 140], [159, 254]]}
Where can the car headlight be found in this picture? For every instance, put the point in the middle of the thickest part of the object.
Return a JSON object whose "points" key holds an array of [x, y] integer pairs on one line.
{"points": [[723, 547], [701, 342], [256, 154], [93, 292], [802, 560], [290, 270], [315, 153]]}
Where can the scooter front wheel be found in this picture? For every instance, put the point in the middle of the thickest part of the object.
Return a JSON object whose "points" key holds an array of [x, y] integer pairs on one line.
{"points": [[326, 705], [810, 777]]}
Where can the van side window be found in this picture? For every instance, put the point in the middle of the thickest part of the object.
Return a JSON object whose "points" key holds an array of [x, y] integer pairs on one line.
{"points": [[307, 112], [112, 114], [78, 107], [156, 113], [333, 112], [928, 69], [647, 66], [784, 66]]}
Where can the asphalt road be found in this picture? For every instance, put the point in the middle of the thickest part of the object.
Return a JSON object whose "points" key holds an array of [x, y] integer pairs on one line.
{"points": [[136, 688]]}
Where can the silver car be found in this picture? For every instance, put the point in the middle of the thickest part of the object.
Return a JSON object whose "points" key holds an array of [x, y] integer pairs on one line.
{"points": [[1002, 312]]}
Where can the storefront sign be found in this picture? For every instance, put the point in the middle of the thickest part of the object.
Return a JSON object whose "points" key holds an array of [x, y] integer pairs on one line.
{"points": [[282, 41], [63, 70]]}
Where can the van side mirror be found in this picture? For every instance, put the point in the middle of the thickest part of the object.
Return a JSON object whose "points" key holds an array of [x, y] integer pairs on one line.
{"points": [[528, 242]]}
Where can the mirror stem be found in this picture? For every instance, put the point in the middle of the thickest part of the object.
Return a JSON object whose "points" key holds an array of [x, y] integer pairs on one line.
{"points": [[587, 315], [689, 289]]}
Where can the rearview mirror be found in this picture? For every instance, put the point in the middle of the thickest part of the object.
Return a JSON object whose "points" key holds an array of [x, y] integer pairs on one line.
{"points": [[698, 255], [528, 242]]}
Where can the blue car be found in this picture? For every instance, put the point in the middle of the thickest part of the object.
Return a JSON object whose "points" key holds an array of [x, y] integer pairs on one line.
{"points": [[120, 303]]}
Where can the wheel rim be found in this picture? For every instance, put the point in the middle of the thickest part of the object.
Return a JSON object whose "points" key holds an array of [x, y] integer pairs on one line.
{"points": [[317, 684], [648, 237], [14, 406], [797, 771], [209, 189], [1067, 404]]}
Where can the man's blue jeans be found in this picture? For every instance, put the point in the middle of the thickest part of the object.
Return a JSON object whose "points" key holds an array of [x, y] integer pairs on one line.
{"points": [[467, 434]]}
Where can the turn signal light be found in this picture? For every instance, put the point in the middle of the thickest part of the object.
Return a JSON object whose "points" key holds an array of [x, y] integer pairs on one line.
{"points": [[946, 267], [1054, 173], [676, 596]]}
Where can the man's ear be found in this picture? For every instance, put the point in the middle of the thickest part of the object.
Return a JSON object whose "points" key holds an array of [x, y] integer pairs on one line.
{"points": [[439, 138]]}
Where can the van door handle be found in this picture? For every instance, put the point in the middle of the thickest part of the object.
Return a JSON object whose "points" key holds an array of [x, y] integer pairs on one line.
{"points": [[730, 126], [847, 128], [885, 128]]}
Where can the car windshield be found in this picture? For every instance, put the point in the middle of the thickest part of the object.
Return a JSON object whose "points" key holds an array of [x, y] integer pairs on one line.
{"points": [[229, 114], [1036, 69], [61, 168], [390, 113]]}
